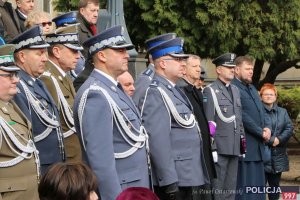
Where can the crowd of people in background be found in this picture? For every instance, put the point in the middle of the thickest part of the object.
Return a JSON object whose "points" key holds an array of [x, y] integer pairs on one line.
{"points": [[75, 125]]}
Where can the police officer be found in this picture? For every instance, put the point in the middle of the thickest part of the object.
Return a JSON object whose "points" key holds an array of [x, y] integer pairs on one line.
{"points": [[174, 135], [34, 99], [145, 78], [222, 107], [19, 163], [107, 121], [63, 56]]}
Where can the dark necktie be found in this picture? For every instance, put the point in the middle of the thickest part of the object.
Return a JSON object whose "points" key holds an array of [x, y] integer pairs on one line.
{"points": [[120, 87], [229, 91]]}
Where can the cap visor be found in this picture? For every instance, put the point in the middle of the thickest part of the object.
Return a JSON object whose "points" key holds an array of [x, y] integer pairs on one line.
{"points": [[123, 46], [11, 68], [40, 46], [229, 65], [179, 55], [74, 46]]}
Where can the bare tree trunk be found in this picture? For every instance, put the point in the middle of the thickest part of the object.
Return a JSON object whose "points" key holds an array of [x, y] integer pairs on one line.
{"points": [[275, 69], [257, 71]]}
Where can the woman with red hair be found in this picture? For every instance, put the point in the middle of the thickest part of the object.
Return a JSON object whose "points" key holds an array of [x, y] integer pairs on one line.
{"points": [[282, 130]]}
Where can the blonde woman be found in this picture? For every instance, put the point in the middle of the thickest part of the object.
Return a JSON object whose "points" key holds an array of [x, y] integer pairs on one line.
{"points": [[39, 18]]}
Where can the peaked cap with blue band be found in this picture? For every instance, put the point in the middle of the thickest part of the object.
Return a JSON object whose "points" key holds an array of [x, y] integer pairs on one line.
{"points": [[7, 62], [67, 36], [110, 38], [173, 47], [30, 39], [226, 60], [65, 19], [159, 39]]}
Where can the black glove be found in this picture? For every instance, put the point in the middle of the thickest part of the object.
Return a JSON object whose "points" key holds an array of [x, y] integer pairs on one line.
{"points": [[171, 190]]}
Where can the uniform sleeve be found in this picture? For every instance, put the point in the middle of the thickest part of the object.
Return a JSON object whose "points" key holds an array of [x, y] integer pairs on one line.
{"points": [[157, 122], [141, 85], [97, 131], [208, 104], [209, 109]]}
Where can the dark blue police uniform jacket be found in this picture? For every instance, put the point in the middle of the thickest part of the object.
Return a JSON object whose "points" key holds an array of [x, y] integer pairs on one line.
{"points": [[100, 136], [49, 148]]}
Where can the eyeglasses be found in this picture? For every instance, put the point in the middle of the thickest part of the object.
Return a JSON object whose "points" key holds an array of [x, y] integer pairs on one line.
{"points": [[46, 23], [11, 75], [176, 59]]}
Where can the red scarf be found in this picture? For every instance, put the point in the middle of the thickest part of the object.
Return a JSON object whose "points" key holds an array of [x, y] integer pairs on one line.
{"points": [[93, 28]]}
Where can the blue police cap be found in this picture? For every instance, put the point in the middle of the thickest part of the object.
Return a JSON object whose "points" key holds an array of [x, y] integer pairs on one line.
{"points": [[173, 47], [30, 39], [226, 60], [159, 39], [65, 19], [67, 36], [7, 62], [110, 38]]}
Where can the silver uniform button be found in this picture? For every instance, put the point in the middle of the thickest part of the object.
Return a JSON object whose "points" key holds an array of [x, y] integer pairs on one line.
{"points": [[113, 88]]}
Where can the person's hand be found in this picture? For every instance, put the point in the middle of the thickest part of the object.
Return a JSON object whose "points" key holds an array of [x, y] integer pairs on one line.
{"points": [[266, 134], [276, 142]]}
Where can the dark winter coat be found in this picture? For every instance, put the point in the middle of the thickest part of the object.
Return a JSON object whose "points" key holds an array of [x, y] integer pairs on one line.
{"points": [[282, 128]]}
